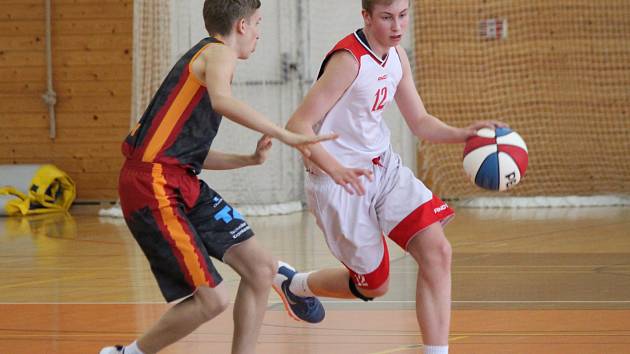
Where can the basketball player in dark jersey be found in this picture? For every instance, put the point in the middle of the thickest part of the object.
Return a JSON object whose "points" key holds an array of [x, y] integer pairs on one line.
{"points": [[178, 220]]}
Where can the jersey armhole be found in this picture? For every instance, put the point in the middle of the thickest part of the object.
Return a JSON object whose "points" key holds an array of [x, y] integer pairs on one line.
{"points": [[192, 74], [330, 55]]}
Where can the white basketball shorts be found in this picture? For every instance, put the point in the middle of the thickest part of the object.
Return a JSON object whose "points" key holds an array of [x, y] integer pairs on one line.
{"points": [[396, 204]]}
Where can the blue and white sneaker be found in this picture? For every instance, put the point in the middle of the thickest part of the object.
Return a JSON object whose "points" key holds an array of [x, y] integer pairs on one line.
{"points": [[308, 309], [119, 349]]}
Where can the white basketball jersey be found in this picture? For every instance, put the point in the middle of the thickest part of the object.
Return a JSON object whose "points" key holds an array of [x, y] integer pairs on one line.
{"points": [[358, 115]]}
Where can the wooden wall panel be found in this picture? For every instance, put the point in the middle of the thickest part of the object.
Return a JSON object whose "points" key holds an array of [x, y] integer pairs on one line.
{"points": [[92, 45]]}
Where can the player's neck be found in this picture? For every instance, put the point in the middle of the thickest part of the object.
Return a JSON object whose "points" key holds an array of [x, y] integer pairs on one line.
{"points": [[376, 47], [229, 41]]}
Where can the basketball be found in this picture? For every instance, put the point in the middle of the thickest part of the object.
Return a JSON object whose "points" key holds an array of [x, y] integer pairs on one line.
{"points": [[495, 159]]}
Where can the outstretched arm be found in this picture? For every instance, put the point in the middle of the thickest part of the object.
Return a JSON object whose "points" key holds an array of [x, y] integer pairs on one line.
{"points": [[422, 124], [216, 160], [340, 72], [219, 64]]}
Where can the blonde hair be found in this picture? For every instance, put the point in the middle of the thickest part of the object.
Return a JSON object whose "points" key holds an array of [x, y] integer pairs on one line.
{"points": [[368, 5]]}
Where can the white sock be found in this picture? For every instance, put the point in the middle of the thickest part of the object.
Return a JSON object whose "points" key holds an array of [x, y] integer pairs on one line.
{"points": [[299, 285], [435, 349], [133, 348]]}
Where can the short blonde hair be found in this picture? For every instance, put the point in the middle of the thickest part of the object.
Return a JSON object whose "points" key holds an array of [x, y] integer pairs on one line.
{"points": [[368, 5]]}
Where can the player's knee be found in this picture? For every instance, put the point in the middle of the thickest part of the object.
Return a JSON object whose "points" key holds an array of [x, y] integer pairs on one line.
{"points": [[266, 272], [261, 275], [435, 254], [439, 261], [441, 255], [368, 294], [378, 292], [210, 303], [210, 311], [435, 261]]}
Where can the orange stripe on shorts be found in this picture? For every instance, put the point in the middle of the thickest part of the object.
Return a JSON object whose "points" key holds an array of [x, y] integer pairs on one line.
{"points": [[177, 233]]}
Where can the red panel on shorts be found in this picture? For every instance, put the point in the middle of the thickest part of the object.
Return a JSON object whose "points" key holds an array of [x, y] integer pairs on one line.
{"points": [[428, 213], [377, 277]]}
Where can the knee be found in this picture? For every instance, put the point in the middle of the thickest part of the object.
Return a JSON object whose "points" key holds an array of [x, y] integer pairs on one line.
{"points": [[368, 294], [444, 255], [378, 292], [210, 305], [435, 257], [261, 275]]}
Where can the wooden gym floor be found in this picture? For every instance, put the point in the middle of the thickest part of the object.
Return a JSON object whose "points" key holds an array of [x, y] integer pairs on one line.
{"points": [[524, 281]]}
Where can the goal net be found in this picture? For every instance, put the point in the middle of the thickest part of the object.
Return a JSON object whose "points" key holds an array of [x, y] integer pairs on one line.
{"points": [[557, 71]]}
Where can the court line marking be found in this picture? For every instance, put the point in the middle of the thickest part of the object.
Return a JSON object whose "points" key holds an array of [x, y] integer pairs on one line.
{"points": [[458, 335], [273, 304], [454, 339], [44, 281], [415, 346], [400, 349]]}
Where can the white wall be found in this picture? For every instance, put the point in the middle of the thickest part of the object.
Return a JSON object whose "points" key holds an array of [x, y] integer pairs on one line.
{"points": [[302, 31]]}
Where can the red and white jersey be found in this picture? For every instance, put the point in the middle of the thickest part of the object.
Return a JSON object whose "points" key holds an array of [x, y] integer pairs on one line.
{"points": [[358, 115]]}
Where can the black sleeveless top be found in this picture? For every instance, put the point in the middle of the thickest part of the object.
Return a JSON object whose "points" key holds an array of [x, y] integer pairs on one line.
{"points": [[179, 124]]}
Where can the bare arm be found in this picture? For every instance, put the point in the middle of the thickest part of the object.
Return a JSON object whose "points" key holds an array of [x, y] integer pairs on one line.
{"points": [[216, 160], [422, 124], [219, 67], [340, 72]]}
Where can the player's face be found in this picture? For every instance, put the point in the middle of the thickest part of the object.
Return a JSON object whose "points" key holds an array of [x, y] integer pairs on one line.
{"points": [[388, 23], [252, 34]]}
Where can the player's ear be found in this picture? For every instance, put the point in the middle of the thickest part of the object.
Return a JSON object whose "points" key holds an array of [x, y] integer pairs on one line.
{"points": [[241, 25], [366, 16]]}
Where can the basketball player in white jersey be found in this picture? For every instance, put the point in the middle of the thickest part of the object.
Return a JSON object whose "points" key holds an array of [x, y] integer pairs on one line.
{"points": [[357, 187]]}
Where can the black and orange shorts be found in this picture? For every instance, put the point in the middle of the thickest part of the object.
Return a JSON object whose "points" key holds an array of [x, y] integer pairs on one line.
{"points": [[179, 223]]}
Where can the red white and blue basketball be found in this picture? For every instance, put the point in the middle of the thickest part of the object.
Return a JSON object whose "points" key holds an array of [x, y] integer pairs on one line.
{"points": [[495, 159]]}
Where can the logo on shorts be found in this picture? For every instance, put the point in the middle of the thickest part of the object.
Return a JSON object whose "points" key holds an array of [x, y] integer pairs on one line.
{"points": [[240, 229], [228, 214], [360, 280], [440, 209]]}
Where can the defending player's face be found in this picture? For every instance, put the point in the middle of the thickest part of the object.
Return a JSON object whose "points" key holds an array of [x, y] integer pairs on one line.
{"points": [[388, 23], [252, 34]]}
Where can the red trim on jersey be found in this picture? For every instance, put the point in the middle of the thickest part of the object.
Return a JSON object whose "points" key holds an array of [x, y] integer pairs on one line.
{"points": [[366, 45], [351, 44], [377, 277], [425, 215]]}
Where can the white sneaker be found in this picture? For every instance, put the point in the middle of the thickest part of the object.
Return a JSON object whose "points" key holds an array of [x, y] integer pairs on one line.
{"points": [[119, 349]]}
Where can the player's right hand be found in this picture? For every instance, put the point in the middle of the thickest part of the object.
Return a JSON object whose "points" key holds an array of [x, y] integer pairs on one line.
{"points": [[349, 179], [304, 142]]}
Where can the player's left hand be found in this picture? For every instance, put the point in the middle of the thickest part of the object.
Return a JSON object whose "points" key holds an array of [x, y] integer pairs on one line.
{"points": [[472, 129], [262, 149]]}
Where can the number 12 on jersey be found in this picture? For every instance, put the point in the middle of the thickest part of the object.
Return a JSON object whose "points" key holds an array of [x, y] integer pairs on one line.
{"points": [[379, 102]]}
